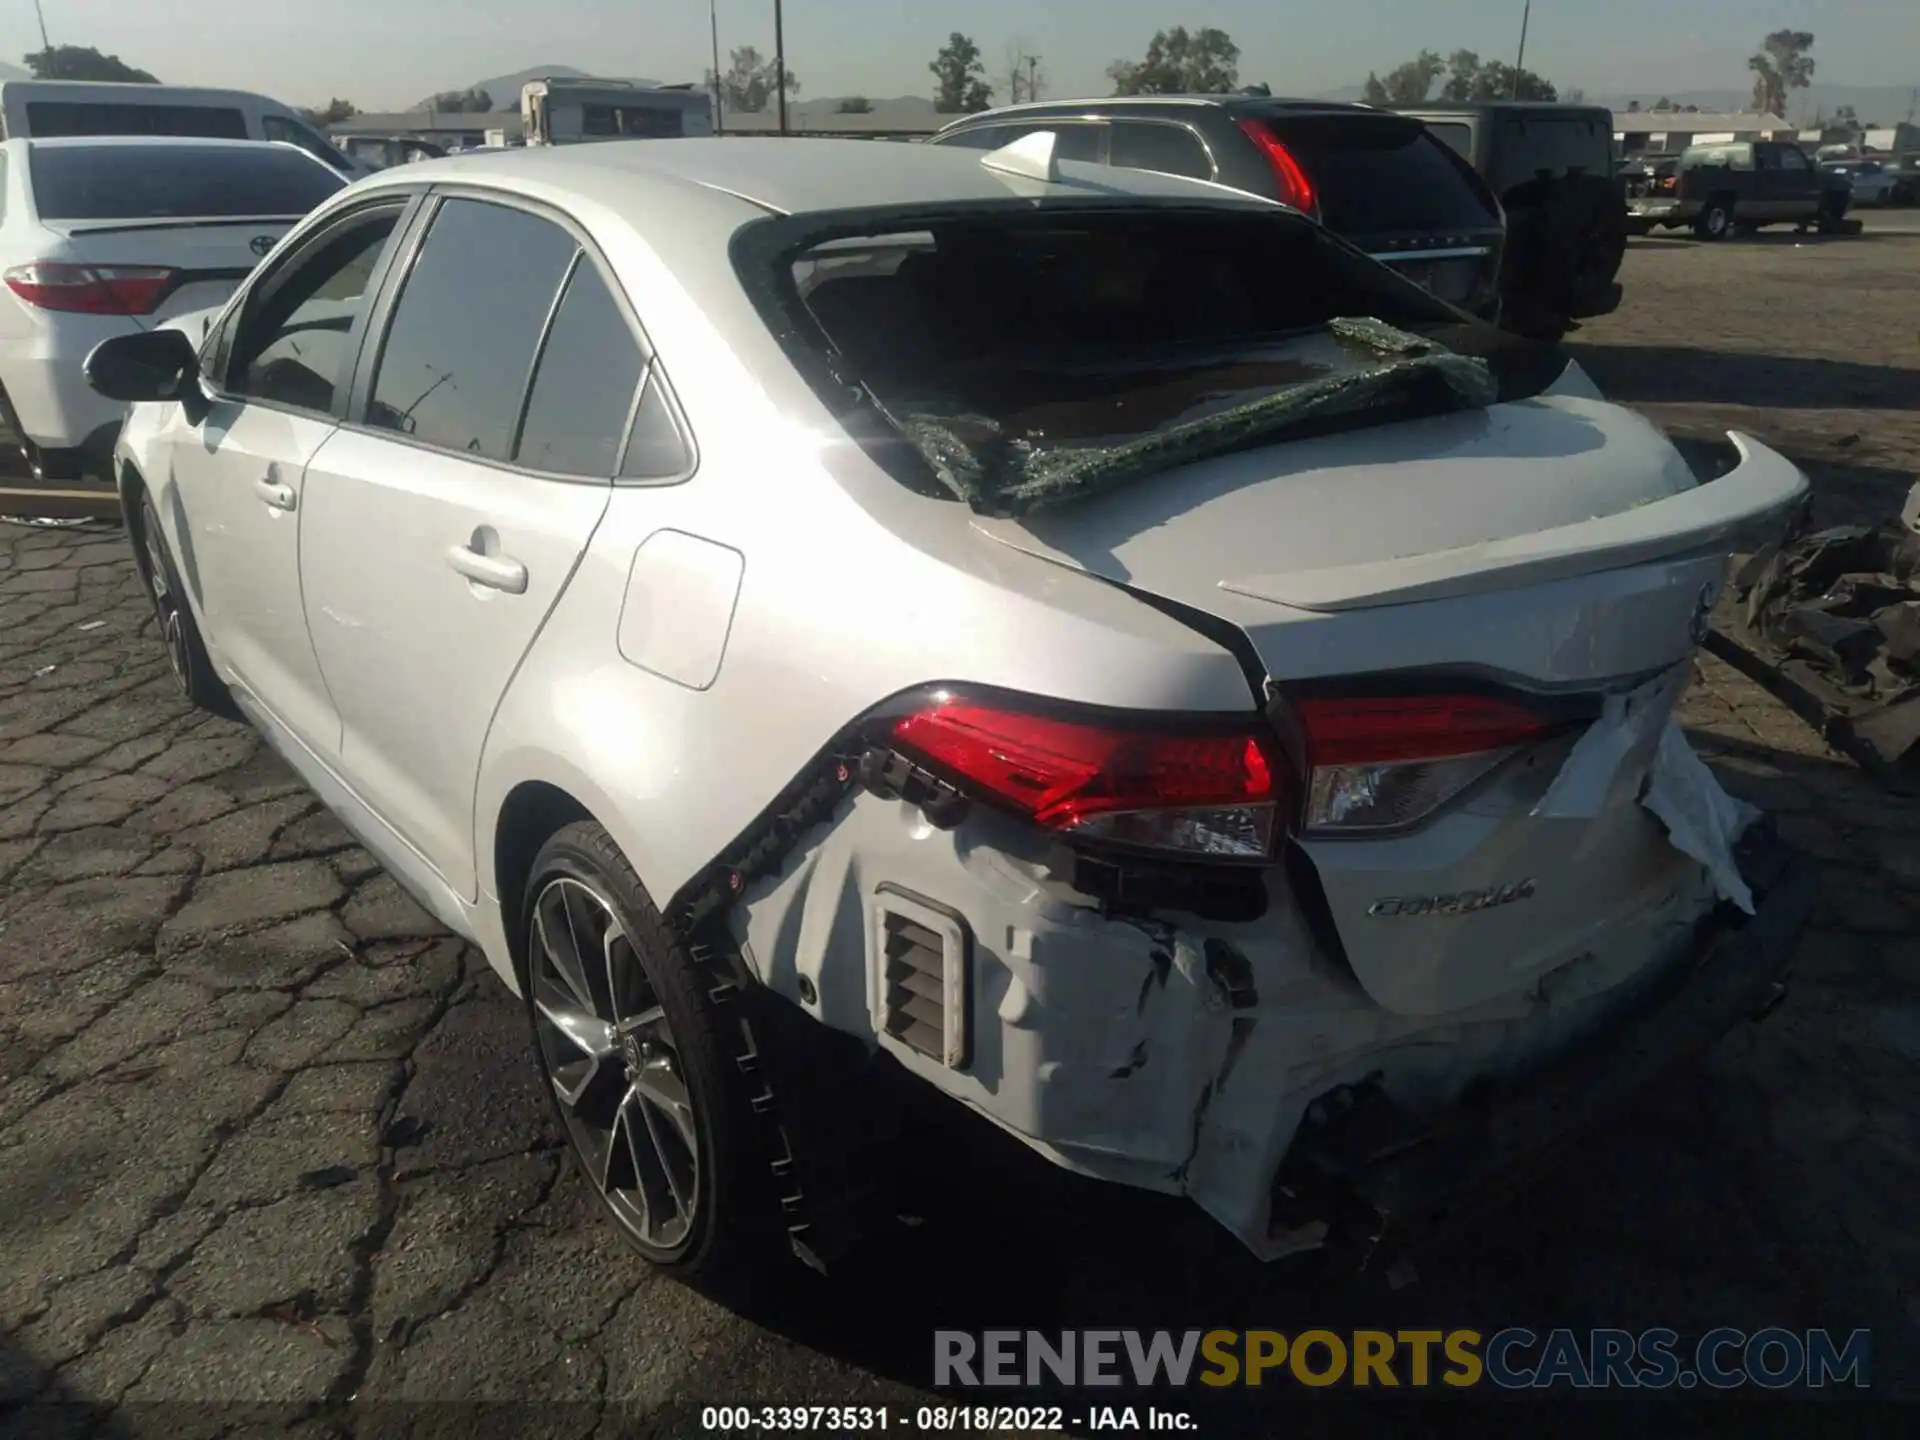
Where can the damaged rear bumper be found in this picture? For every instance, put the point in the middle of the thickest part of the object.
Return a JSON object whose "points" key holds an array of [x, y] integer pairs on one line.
{"points": [[1360, 1171]]}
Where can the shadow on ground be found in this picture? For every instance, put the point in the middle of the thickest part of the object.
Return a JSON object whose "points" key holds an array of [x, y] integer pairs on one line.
{"points": [[1673, 374]]}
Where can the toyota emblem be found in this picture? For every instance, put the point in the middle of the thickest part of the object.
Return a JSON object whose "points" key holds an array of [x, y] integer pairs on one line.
{"points": [[261, 244]]}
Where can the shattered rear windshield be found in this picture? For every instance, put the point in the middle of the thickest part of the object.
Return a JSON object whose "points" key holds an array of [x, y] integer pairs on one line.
{"points": [[1020, 357]]}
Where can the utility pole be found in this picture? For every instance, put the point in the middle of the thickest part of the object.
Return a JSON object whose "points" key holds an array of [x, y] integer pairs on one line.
{"points": [[1033, 69], [780, 63], [45, 44], [719, 93], [1520, 60]]}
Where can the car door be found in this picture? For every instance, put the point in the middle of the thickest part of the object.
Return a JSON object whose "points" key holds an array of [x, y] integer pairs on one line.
{"points": [[1799, 184], [276, 368], [489, 413]]}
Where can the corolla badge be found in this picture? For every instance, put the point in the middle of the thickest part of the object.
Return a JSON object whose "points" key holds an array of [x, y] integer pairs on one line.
{"points": [[261, 244], [1466, 902], [1702, 619]]}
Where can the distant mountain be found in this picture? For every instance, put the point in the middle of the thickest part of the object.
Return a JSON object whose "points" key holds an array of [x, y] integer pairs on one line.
{"points": [[14, 72], [504, 90]]}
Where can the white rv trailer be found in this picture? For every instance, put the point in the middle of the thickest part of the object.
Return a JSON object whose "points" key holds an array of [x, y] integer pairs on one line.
{"points": [[571, 110]]}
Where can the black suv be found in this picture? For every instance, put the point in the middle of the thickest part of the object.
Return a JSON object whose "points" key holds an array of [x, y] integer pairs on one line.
{"points": [[1553, 169], [1375, 178]]}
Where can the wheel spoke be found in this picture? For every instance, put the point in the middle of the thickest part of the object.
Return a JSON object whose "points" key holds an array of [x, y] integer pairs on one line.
{"points": [[556, 940], [631, 1143], [682, 1201], [589, 1034], [657, 1084]]}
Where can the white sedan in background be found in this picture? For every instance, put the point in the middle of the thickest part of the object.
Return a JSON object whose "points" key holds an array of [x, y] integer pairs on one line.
{"points": [[110, 235], [1086, 644]]}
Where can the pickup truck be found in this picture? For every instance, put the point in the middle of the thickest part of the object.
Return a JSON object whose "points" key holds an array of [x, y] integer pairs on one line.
{"points": [[1722, 189]]}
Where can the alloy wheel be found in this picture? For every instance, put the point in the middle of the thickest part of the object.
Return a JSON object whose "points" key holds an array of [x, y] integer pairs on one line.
{"points": [[166, 605], [610, 1054]]}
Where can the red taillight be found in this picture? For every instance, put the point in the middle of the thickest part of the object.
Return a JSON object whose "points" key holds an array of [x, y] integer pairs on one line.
{"points": [[1203, 792], [91, 289], [1383, 763], [1295, 188]]}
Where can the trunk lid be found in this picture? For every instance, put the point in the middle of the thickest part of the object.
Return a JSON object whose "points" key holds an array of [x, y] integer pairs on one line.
{"points": [[210, 255], [1556, 547]]}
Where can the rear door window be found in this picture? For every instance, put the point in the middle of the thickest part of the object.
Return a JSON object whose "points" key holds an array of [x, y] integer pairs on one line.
{"points": [[50, 118], [461, 344], [584, 385], [146, 182], [1557, 144], [1159, 146], [1383, 174]]}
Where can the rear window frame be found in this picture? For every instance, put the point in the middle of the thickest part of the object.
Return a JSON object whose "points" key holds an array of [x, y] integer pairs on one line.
{"points": [[763, 253], [162, 152]]}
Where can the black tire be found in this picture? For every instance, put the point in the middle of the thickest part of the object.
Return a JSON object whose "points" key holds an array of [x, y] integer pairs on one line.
{"points": [[1716, 220], [186, 651], [733, 1233]]}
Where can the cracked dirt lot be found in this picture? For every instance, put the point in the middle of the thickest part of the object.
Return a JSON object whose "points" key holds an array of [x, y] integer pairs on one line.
{"points": [[269, 1140]]}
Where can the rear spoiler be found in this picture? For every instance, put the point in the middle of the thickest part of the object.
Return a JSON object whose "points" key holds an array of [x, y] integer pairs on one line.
{"points": [[170, 222], [1753, 499]]}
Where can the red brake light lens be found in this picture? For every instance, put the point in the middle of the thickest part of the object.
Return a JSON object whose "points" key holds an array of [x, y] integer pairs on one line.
{"points": [[1202, 792], [1295, 188], [91, 289], [1385, 763]]}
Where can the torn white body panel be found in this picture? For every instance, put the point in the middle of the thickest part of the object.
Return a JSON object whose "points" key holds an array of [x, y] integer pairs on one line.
{"points": [[1174, 1054], [1702, 819]]}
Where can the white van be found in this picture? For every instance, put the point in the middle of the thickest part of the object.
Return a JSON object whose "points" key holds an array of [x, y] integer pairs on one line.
{"points": [[46, 109]]}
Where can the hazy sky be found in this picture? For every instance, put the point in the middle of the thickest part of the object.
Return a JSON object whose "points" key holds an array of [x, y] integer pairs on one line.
{"points": [[388, 53]]}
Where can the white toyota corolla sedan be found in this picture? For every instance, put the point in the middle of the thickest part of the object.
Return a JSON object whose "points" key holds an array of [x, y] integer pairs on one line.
{"points": [[1092, 644]]}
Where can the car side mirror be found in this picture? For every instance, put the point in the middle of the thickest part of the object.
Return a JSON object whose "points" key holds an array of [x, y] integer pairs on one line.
{"points": [[146, 366], [151, 365]]}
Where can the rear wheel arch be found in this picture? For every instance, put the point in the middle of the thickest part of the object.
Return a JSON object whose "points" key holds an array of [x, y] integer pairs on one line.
{"points": [[533, 812]]}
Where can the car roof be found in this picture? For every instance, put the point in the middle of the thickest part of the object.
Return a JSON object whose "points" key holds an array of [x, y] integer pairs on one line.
{"points": [[192, 142], [783, 175]]}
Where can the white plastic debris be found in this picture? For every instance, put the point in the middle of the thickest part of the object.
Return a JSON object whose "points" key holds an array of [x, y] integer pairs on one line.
{"points": [[91, 625], [1619, 745], [1702, 819]]}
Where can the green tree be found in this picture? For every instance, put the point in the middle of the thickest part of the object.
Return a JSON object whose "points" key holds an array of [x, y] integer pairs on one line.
{"points": [[1407, 84], [333, 112], [959, 77], [1782, 65], [1179, 62], [461, 102], [1469, 79], [1846, 118], [83, 62], [855, 105], [749, 82]]}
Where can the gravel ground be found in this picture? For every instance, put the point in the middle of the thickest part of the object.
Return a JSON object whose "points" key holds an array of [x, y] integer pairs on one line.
{"points": [[269, 1139]]}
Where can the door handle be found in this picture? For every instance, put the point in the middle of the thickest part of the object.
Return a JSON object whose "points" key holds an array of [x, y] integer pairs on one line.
{"points": [[279, 496], [496, 572]]}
